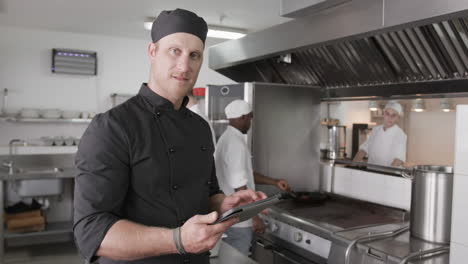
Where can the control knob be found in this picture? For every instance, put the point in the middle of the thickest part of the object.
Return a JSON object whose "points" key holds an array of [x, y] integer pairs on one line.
{"points": [[274, 227], [297, 237]]}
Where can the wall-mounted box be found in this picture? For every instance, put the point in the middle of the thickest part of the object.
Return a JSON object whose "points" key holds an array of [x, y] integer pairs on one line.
{"points": [[74, 61]]}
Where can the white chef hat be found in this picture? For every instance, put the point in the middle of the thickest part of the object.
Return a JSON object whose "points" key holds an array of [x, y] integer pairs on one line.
{"points": [[395, 106], [237, 108]]}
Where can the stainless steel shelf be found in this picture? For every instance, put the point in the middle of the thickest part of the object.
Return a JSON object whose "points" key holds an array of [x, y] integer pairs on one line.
{"points": [[55, 228], [53, 233], [46, 120]]}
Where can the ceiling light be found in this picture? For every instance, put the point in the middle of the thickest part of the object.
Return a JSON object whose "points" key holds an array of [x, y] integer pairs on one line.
{"points": [[445, 105], [148, 25], [373, 106], [418, 105], [225, 33]]}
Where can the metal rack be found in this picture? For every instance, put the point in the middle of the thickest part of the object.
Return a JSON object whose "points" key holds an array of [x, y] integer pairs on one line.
{"points": [[15, 119]]}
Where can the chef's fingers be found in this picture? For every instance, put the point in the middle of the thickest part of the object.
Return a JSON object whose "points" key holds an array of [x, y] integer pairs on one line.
{"points": [[247, 196], [206, 219], [261, 195], [220, 228]]}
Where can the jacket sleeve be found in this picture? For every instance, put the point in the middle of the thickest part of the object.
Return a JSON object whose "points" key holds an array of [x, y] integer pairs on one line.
{"points": [[101, 183]]}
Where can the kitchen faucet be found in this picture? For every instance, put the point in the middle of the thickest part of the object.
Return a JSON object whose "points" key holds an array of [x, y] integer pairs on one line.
{"points": [[9, 164]]}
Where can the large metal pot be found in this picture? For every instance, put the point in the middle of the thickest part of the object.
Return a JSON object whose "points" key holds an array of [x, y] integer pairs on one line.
{"points": [[431, 203]]}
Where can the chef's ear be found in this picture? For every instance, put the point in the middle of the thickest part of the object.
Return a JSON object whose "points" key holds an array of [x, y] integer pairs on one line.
{"points": [[152, 48]]}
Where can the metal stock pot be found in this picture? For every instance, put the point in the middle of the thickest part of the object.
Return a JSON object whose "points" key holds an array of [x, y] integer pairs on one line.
{"points": [[431, 202]]}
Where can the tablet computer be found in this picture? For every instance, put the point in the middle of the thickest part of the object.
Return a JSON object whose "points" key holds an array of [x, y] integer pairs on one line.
{"points": [[247, 211]]}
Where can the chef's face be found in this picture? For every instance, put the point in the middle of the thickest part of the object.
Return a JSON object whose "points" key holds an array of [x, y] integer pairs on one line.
{"points": [[176, 60], [247, 121], [390, 117]]}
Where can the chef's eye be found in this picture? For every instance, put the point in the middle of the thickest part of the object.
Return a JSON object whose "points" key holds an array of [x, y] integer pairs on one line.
{"points": [[195, 55], [174, 51]]}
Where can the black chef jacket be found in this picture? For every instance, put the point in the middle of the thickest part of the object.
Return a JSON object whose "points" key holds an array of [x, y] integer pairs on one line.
{"points": [[145, 162]]}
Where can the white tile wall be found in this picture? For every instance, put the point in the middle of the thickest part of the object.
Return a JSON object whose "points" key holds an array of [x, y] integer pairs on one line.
{"points": [[397, 192], [461, 140], [458, 253], [460, 210], [459, 237], [373, 187]]}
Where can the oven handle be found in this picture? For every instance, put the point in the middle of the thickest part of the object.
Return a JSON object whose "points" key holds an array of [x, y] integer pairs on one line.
{"points": [[285, 257], [267, 247], [374, 255]]}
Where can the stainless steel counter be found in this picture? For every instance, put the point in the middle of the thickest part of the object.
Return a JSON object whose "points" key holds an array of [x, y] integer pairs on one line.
{"points": [[230, 255], [392, 249], [30, 175]]}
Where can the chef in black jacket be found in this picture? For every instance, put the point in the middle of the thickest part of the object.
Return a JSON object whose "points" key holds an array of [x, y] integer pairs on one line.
{"points": [[146, 188]]}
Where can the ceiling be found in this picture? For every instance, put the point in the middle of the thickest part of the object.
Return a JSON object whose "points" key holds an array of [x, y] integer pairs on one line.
{"points": [[125, 17]]}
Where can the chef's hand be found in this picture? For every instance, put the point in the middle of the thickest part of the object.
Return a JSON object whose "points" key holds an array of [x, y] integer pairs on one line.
{"points": [[198, 236], [240, 198], [257, 225], [283, 185]]}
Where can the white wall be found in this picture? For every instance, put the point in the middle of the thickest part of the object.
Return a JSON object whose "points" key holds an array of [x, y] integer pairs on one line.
{"points": [[348, 112], [459, 237], [25, 61]]}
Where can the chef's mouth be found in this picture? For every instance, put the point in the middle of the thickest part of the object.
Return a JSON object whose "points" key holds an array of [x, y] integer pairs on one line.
{"points": [[180, 78]]}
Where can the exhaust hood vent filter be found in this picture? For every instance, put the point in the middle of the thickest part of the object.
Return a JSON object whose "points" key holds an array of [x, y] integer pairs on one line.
{"points": [[74, 62]]}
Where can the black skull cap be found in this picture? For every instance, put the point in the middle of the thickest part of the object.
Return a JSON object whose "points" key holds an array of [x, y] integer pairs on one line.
{"points": [[178, 20]]}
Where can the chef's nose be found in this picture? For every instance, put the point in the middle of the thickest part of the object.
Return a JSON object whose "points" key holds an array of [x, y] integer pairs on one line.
{"points": [[183, 63]]}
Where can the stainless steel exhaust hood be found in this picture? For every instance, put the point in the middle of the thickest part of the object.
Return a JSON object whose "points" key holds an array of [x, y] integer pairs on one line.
{"points": [[361, 49]]}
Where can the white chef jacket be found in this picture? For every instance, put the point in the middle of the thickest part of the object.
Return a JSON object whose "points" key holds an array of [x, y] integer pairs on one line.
{"points": [[234, 164], [383, 146], [196, 109]]}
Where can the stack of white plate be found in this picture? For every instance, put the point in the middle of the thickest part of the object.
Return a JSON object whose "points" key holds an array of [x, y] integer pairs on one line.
{"points": [[70, 114], [51, 113], [29, 113]]}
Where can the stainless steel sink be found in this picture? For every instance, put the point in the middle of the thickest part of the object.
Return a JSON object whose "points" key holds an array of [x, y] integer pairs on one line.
{"points": [[43, 166], [37, 170]]}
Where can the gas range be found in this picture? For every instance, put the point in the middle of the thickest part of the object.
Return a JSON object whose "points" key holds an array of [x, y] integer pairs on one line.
{"points": [[342, 231], [306, 232]]}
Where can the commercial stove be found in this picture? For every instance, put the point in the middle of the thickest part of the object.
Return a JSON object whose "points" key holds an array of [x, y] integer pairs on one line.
{"points": [[340, 230]]}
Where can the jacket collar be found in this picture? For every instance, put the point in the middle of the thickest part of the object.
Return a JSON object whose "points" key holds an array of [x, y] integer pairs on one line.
{"points": [[158, 101]]}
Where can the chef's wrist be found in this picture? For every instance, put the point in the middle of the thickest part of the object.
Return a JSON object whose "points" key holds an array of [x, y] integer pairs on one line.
{"points": [[177, 237]]}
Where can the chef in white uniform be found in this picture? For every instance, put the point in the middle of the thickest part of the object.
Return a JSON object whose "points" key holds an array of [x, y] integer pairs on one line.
{"points": [[234, 171], [386, 144]]}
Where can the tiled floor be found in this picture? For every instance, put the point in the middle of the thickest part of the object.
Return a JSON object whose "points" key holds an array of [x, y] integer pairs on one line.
{"points": [[63, 253]]}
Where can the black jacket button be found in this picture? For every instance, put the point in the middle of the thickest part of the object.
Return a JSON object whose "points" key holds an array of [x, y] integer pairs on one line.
{"points": [[208, 182], [158, 114], [171, 150], [186, 260], [203, 148], [175, 187]]}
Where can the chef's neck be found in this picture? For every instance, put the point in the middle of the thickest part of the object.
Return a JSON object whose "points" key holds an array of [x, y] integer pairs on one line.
{"points": [[175, 100], [385, 127]]}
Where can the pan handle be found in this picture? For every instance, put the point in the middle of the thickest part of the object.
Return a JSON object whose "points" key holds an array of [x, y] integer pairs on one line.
{"points": [[407, 175]]}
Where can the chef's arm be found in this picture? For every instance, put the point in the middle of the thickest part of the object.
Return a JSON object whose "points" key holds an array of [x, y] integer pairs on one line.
{"points": [[397, 163], [279, 183], [359, 157], [126, 240]]}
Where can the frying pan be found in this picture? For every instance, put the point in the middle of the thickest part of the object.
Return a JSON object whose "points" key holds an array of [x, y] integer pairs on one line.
{"points": [[310, 198]]}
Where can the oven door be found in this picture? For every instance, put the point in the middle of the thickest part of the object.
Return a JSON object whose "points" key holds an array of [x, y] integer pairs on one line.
{"points": [[284, 256], [265, 252]]}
